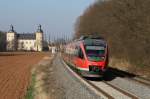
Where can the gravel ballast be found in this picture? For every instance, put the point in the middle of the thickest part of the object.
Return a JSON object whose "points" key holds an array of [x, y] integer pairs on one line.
{"points": [[71, 87], [54, 81]]}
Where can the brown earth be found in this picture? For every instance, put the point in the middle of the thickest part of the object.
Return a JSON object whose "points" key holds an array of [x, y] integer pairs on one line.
{"points": [[15, 73]]}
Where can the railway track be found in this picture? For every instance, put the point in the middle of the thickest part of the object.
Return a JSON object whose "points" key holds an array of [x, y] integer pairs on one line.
{"points": [[132, 77], [102, 88]]}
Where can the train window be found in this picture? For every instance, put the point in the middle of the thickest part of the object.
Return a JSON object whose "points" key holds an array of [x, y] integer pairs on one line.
{"points": [[80, 53], [76, 51], [95, 53]]}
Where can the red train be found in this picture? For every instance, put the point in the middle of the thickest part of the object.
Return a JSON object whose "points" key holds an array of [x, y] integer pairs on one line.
{"points": [[88, 55]]}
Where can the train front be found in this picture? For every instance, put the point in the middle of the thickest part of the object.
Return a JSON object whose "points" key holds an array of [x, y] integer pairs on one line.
{"points": [[96, 57]]}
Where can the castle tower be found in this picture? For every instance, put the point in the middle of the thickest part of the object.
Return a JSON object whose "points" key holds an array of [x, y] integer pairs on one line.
{"points": [[11, 39], [39, 39]]}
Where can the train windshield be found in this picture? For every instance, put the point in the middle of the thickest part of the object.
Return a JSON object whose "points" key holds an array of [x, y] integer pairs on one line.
{"points": [[95, 53]]}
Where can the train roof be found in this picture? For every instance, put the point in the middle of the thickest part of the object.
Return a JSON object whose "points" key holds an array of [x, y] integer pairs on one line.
{"points": [[100, 42], [90, 40], [90, 37]]}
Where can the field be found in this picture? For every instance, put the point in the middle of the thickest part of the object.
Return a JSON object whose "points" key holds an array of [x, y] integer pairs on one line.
{"points": [[15, 73]]}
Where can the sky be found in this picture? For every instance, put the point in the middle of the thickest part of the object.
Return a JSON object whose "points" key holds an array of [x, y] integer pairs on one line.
{"points": [[57, 17]]}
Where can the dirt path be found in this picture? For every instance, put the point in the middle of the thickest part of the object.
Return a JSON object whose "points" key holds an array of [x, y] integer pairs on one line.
{"points": [[15, 73]]}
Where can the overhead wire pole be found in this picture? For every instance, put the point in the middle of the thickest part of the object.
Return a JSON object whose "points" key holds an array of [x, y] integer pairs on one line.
{"points": [[62, 41], [65, 38], [54, 40], [45, 36], [49, 39], [44, 41]]}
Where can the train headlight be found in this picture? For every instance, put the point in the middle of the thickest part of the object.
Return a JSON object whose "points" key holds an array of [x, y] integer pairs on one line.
{"points": [[102, 58]]}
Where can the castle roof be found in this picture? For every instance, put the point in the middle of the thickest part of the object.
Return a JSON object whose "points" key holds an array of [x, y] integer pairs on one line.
{"points": [[26, 36], [39, 30], [12, 29]]}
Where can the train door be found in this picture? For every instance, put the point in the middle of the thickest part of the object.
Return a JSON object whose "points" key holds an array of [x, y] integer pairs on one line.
{"points": [[80, 59]]}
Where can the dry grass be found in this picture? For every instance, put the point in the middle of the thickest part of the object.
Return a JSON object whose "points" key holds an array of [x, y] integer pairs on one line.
{"points": [[42, 81], [124, 65]]}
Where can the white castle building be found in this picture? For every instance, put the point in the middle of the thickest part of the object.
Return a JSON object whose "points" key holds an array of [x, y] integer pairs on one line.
{"points": [[24, 42]]}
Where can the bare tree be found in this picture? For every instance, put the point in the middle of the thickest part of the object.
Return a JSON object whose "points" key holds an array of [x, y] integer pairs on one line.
{"points": [[125, 24], [2, 41]]}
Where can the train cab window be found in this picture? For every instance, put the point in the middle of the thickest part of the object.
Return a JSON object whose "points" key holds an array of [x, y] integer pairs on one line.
{"points": [[80, 53], [95, 53]]}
